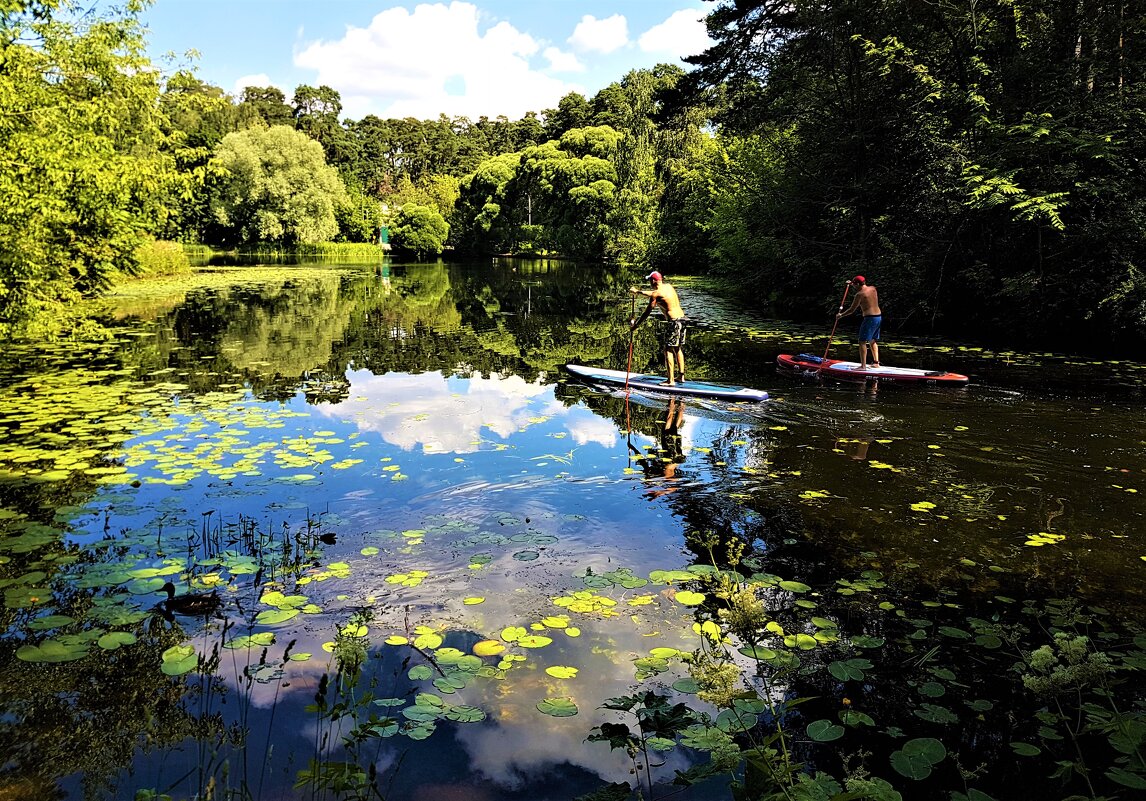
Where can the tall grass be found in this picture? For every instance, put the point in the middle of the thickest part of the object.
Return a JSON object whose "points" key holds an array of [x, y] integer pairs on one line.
{"points": [[157, 257], [336, 249]]}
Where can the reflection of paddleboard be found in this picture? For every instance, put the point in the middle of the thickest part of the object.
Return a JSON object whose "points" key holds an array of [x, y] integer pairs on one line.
{"points": [[850, 371], [657, 383]]}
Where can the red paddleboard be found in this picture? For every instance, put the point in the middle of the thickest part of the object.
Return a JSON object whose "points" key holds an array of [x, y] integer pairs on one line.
{"points": [[808, 364]]}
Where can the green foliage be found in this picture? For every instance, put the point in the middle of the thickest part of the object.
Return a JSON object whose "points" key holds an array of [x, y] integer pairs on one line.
{"points": [[420, 230], [80, 134], [273, 186], [162, 258], [969, 159], [269, 103], [359, 218]]}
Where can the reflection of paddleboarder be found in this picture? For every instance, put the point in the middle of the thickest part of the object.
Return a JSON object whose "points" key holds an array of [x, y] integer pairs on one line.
{"points": [[662, 464]]}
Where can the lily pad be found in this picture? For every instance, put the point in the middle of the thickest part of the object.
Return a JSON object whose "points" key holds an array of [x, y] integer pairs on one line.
{"points": [[824, 731], [488, 648], [690, 598], [558, 707], [114, 639], [179, 659]]}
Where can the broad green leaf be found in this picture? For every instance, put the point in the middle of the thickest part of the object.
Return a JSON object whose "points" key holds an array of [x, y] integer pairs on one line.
{"points": [[824, 731], [558, 707]]}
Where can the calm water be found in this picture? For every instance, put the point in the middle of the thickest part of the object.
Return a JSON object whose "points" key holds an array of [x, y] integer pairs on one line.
{"points": [[436, 556]]}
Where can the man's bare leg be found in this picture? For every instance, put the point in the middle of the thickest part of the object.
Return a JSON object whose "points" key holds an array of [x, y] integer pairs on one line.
{"points": [[863, 355], [669, 368], [875, 353], [680, 363]]}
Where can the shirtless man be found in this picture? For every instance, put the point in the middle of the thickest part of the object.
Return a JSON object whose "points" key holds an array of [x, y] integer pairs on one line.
{"points": [[867, 300], [663, 295]]}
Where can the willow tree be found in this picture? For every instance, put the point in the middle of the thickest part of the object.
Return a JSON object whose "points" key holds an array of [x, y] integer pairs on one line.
{"points": [[273, 186], [80, 140]]}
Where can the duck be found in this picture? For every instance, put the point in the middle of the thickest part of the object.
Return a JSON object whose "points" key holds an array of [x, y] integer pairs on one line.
{"points": [[191, 604]]}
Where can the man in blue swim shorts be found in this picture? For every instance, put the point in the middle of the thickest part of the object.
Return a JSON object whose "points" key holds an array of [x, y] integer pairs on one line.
{"points": [[867, 301]]}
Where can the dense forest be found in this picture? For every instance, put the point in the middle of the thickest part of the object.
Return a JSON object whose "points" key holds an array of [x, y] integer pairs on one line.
{"points": [[981, 162]]}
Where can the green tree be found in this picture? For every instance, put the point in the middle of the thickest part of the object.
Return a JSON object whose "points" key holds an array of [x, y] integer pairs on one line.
{"points": [[269, 103], [196, 117], [420, 230], [573, 111], [316, 114], [488, 216], [80, 141], [274, 186]]}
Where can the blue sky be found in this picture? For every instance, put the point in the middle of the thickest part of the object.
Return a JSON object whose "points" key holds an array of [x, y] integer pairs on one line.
{"points": [[399, 59]]}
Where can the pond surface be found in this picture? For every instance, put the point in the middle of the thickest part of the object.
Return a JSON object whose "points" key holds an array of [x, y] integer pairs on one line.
{"points": [[430, 558]]}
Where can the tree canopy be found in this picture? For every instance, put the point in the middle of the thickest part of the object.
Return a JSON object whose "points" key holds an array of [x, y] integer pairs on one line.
{"points": [[80, 144], [275, 186]]}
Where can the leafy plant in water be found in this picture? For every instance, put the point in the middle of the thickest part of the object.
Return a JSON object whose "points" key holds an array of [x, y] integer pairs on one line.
{"points": [[1078, 682], [341, 700], [658, 723]]}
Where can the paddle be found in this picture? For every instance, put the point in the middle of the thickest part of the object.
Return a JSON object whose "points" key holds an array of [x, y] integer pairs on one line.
{"points": [[843, 300]]}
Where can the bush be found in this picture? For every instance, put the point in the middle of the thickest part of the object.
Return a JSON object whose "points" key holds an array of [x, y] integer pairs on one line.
{"points": [[420, 230], [156, 257]]}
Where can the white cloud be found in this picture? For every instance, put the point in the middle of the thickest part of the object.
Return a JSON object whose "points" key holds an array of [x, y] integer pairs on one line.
{"points": [[682, 34], [560, 61], [600, 35], [260, 79], [413, 64], [424, 411], [593, 429]]}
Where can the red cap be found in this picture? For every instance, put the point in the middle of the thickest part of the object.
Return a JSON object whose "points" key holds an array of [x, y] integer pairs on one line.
{"points": [[654, 276], [859, 279]]}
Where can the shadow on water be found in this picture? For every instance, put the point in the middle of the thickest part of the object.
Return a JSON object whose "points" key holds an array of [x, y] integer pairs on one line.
{"points": [[441, 563]]}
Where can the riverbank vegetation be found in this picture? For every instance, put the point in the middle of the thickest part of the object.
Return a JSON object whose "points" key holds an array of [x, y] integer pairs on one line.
{"points": [[981, 164]]}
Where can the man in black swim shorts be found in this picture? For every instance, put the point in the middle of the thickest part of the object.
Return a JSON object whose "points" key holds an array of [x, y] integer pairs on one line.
{"points": [[663, 296]]}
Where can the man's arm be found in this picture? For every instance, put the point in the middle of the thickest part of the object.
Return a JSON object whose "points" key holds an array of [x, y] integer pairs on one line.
{"points": [[652, 303], [852, 308]]}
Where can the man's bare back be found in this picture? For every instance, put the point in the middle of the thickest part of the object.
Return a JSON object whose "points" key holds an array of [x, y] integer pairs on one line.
{"points": [[665, 297], [868, 300]]}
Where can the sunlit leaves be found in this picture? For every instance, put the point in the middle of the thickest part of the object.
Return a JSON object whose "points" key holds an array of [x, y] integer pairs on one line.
{"points": [[513, 633], [428, 641], [179, 659], [586, 602], [561, 671], [115, 639], [57, 650], [410, 579], [534, 641], [261, 639], [488, 648]]}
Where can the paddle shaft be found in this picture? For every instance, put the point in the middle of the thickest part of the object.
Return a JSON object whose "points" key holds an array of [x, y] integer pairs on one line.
{"points": [[629, 363], [843, 300]]}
